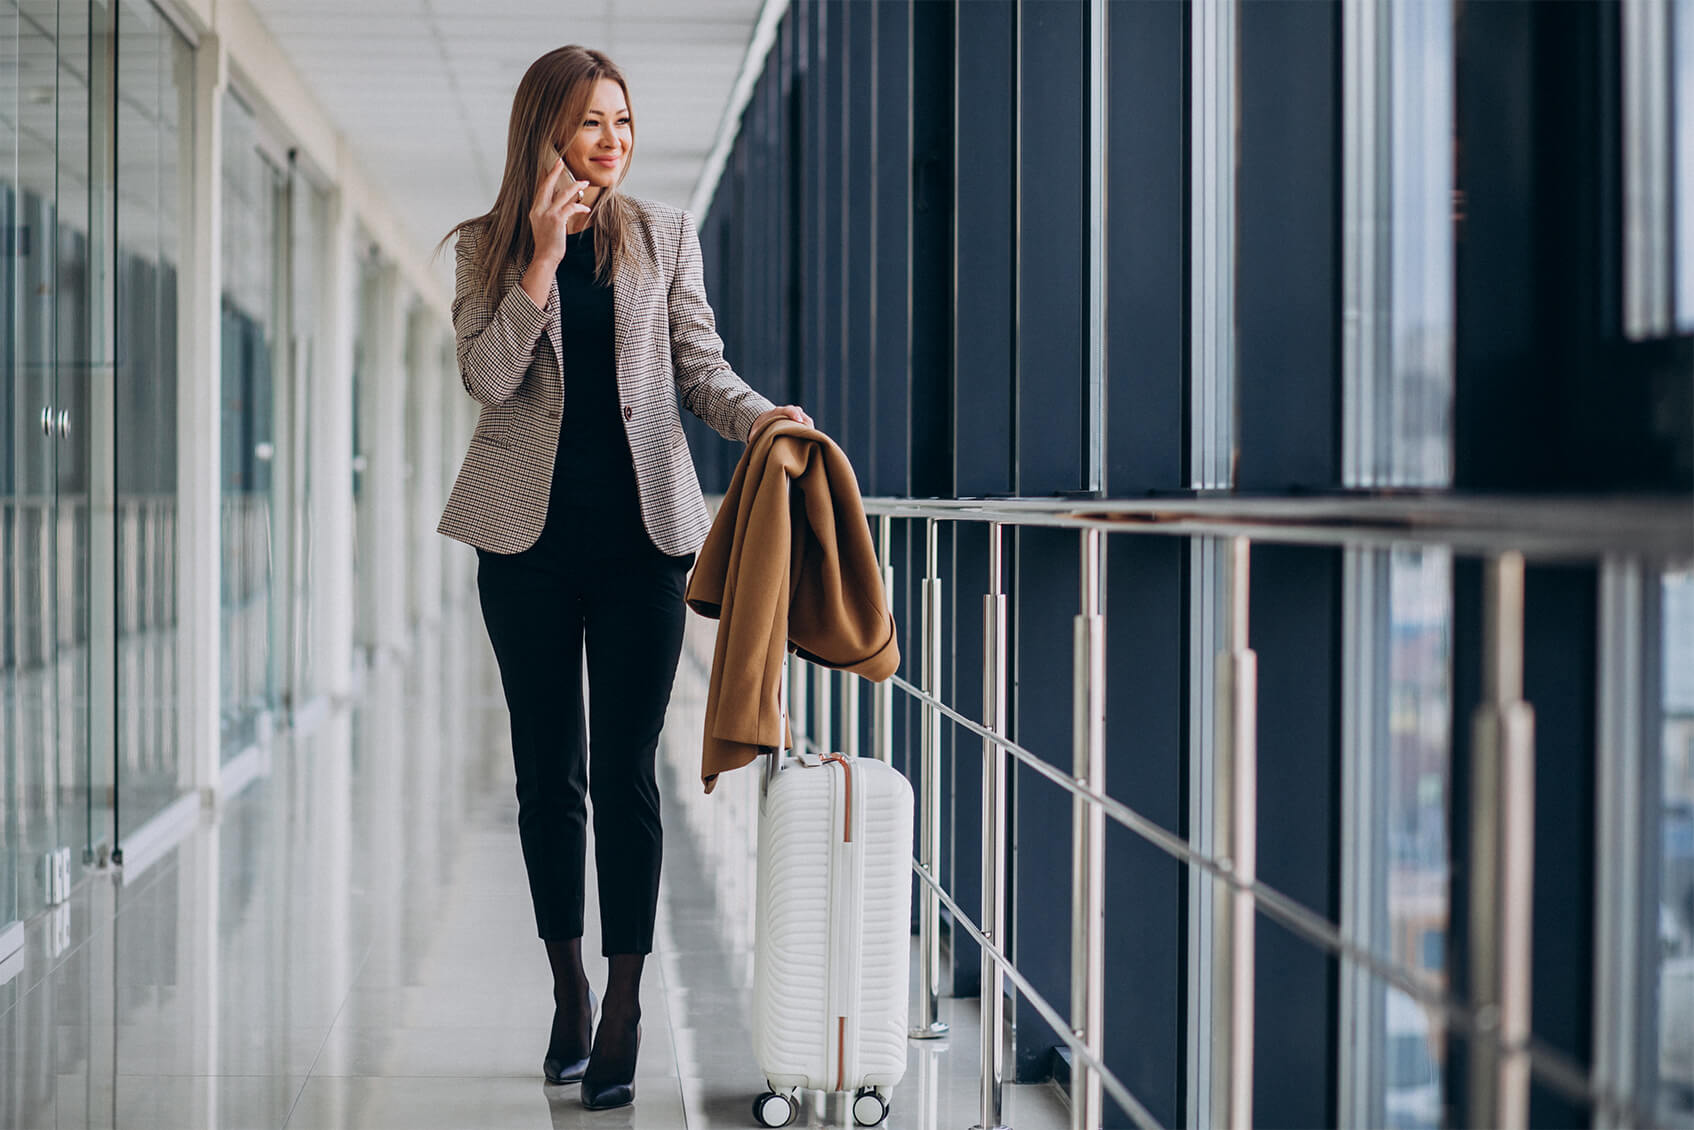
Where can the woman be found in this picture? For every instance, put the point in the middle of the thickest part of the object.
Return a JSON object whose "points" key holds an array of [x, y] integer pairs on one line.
{"points": [[580, 314]]}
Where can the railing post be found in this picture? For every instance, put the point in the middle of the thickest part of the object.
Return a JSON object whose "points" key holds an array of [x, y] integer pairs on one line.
{"points": [[929, 1025], [993, 923], [850, 714], [1502, 831], [1088, 840], [882, 706], [1234, 840], [823, 709], [799, 718]]}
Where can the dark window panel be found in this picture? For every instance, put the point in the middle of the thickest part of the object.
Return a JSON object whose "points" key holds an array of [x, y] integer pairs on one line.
{"points": [[1146, 315], [1052, 246], [1288, 267], [984, 330], [898, 255]]}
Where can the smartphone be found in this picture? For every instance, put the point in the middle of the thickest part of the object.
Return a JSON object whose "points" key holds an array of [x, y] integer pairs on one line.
{"points": [[549, 156]]}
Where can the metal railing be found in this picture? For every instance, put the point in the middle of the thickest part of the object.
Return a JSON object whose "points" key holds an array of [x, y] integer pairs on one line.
{"points": [[1504, 1055]]}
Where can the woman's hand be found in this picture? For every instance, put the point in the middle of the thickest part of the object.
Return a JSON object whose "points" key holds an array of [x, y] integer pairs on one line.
{"points": [[784, 412], [557, 211]]}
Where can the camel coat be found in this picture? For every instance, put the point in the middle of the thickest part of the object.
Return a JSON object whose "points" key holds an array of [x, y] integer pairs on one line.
{"points": [[788, 564]]}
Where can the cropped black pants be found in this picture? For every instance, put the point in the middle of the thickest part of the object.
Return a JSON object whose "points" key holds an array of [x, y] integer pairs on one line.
{"points": [[594, 578]]}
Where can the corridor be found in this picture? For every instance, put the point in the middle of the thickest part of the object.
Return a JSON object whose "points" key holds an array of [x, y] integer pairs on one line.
{"points": [[349, 943]]}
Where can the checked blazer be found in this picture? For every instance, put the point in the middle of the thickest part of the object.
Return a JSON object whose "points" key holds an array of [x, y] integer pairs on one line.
{"points": [[512, 359]]}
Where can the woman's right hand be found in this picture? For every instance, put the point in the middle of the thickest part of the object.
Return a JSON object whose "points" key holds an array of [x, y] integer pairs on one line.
{"points": [[555, 213]]}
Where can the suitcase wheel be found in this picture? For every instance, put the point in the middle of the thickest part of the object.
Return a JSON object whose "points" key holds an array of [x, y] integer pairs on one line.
{"points": [[772, 1109], [869, 1107]]}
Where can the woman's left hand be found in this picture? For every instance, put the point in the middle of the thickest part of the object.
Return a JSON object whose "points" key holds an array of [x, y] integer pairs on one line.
{"points": [[783, 412]]}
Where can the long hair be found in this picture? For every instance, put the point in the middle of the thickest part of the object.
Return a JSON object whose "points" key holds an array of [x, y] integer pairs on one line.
{"points": [[549, 106]]}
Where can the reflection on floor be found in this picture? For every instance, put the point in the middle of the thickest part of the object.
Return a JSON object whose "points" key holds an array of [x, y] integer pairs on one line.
{"points": [[349, 943]]}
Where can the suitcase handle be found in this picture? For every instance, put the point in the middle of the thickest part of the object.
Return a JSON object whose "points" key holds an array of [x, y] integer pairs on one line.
{"points": [[776, 757]]}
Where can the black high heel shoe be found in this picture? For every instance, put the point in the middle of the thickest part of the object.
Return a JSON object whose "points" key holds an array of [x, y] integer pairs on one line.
{"points": [[605, 1096], [557, 1070]]}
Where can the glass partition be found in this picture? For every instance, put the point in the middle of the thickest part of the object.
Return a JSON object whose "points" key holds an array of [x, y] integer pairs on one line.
{"points": [[1674, 987], [155, 136], [251, 185]]}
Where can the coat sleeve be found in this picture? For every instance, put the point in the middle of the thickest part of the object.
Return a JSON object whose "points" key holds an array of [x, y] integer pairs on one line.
{"points": [[495, 342], [710, 388]]}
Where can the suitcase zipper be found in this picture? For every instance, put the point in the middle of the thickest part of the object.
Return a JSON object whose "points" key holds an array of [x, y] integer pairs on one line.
{"points": [[843, 917]]}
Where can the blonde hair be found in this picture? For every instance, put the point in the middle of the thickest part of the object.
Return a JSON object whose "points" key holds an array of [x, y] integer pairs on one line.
{"points": [[548, 108]]}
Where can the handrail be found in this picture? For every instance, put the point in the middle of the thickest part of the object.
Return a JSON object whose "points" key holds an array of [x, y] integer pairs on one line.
{"points": [[1559, 1071], [1113, 1086], [1658, 528]]}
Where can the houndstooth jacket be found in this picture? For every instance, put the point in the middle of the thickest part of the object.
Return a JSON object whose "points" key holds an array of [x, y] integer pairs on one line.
{"points": [[512, 358]]}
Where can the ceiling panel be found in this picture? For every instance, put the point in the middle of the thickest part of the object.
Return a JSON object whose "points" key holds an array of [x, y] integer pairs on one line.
{"points": [[422, 89]]}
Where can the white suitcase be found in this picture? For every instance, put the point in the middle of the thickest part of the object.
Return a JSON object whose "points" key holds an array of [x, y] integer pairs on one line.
{"points": [[833, 934]]}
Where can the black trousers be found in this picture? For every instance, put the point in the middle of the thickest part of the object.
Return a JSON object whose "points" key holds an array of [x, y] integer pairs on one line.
{"points": [[594, 578]]}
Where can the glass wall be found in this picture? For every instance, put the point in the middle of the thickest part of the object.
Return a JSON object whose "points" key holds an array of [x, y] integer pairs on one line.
{"points": [[1674, 987], [44, 481], [87, 383], [1399, 214], [252, 253], [308, 231], [1397, 790], [155, 135], [367, 319], [1682, 154]]}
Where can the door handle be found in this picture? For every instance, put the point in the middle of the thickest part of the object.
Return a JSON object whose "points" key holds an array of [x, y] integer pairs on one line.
{"points": [[64, 423], [47, 421]]}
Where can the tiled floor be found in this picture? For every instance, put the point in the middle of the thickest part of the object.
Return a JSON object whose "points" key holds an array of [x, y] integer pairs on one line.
{"points": [[349, 943]]}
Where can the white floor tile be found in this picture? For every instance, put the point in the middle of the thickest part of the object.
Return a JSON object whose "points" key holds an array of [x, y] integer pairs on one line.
{"points": [[350, 944]]}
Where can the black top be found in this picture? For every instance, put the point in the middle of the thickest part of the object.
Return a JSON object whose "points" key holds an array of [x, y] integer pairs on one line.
{"points": [[593, 469]]}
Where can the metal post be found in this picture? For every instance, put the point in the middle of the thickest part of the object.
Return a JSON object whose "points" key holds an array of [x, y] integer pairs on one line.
{"points": [[929, 1025], [824, 708], [1234, 839], [1088, 840], [799, 718], [993, 836], [1502, 859], [850, 714], [882, 705]]}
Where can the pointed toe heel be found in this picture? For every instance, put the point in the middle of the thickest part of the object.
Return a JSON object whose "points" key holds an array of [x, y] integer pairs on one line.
{"points": [[558, 1071], [606, 1096]]}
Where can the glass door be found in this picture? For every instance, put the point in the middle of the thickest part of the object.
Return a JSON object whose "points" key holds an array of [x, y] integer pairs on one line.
{"points": [[252, 188], [29, 519], [10, 392], [56, 177]]}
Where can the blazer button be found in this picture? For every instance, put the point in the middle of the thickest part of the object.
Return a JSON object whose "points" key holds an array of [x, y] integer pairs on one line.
{"points": [[628, 411]]}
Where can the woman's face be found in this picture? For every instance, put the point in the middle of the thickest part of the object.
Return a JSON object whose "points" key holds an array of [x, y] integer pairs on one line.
{"points": [[603, 138]]}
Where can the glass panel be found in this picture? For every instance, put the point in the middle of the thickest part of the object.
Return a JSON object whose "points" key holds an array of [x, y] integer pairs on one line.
{"points": [[73, 344], [1682, 158], [14, 412], [1397, 783], [366, 327], [99, 427], [250, 249], [155, 113], [308, 232], [1398, 277], [31, 525], [1675, 982]]}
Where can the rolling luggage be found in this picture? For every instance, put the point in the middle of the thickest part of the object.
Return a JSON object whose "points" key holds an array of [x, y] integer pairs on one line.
{"points": [[832, 952]]}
